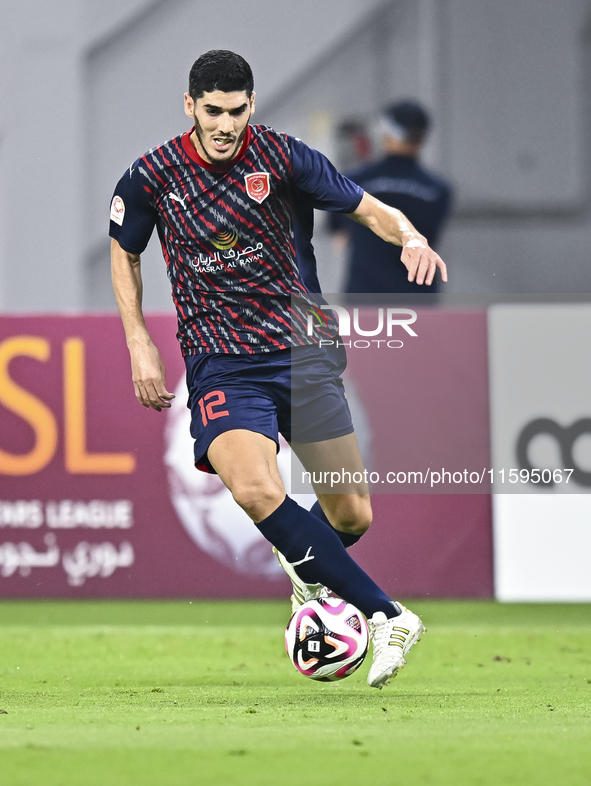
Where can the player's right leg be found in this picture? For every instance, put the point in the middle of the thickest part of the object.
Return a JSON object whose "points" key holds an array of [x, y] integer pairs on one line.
{"points": [[246, 463]]}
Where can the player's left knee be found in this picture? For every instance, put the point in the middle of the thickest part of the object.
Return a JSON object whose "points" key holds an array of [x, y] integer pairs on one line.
{"points": [[355, 517], [361, 524]]}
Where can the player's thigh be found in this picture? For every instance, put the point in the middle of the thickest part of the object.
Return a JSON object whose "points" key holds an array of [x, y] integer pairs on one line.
{"points": [[246, 462], [217, 406]]}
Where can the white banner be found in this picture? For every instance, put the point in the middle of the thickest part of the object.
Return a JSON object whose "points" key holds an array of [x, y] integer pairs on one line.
{"points": [[540, 388]]}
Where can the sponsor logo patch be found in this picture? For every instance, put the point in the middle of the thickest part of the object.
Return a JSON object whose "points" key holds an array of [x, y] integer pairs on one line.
{"points": [[225, 239], [117, 210], [258, 186]]}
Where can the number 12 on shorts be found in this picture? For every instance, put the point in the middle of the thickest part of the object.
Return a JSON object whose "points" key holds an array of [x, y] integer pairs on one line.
{"points": [[216, 398]]}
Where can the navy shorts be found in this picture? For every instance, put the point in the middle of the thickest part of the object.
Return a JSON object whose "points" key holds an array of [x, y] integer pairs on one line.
{"points": [[296, 392]]}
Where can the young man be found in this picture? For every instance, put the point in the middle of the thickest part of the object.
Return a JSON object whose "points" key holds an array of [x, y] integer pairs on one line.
{"points": [[232, 204]]}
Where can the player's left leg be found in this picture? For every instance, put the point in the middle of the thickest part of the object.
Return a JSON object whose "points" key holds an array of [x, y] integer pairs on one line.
{"points": [[348, 512], [321, 433], [343, 501]]}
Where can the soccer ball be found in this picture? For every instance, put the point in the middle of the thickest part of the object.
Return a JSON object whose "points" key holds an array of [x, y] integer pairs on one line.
{"points": [[327, 639]]}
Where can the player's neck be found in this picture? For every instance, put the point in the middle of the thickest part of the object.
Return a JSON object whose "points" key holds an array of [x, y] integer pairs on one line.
{"points": [[396, 147]]}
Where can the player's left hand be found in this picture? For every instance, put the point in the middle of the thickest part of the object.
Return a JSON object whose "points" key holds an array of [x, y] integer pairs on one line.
{"points": [[422, 262]]}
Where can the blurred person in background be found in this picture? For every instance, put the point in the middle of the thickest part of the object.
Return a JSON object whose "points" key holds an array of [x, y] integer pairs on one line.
{"points": [[353, 144], [398, 180]]}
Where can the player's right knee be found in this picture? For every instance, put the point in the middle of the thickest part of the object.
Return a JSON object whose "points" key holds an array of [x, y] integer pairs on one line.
{"points": [[258, 499]]}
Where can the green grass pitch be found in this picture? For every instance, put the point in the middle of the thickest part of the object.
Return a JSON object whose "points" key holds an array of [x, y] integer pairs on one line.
{"points": [[167, 693]]}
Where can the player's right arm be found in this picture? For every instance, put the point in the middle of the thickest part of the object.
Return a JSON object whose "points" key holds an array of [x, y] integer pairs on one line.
{"points": [[133, 217], [147, 368]]}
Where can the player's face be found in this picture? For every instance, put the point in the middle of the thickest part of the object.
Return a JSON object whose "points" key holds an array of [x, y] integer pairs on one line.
{"points": [[220, 123]]}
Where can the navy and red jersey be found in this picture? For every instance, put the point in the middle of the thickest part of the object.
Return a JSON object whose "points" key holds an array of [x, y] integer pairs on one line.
{"points": [[237, 239]]}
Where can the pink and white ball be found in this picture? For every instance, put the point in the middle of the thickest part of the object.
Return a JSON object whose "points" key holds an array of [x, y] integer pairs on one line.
{"points": [[327, 639]]}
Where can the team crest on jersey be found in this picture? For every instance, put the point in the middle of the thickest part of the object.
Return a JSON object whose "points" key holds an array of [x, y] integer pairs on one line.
{"points": [[258, 186]]}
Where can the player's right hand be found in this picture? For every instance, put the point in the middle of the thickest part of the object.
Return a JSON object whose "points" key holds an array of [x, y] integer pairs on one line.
{"points": [[148, 374]]}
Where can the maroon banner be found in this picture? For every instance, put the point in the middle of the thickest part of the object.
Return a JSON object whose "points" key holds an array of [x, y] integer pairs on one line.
{"points": [[424, 406], [99, 496]]}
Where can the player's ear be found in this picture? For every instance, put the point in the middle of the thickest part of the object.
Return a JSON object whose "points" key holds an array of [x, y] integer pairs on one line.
{"points": [[189, 106], [252, 103]]}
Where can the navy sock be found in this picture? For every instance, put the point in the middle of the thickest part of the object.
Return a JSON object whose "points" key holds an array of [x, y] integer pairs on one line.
{"points": [[319, 557], [346, 538]]}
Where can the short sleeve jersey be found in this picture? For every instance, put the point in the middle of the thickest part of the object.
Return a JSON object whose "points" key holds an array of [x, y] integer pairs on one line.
{"points": [[236, 240]]}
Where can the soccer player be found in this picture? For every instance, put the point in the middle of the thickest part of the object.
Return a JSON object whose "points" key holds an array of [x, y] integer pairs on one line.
{"points": [[232, 204]]}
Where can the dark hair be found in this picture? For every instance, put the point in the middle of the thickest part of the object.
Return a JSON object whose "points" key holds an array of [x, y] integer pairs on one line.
{"points": [[222, 70], [411, 117]]}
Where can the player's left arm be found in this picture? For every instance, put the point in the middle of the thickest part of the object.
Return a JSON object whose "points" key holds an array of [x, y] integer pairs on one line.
{"points": [[330, 190], [392, 226]]}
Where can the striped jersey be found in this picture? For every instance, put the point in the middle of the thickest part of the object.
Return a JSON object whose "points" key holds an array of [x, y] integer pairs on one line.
{"points": [[237, 240]]}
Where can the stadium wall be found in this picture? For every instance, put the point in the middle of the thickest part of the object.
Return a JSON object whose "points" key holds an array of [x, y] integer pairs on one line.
{"points": [[90, 86]]}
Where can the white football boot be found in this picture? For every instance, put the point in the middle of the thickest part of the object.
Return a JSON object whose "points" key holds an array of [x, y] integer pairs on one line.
{"points": [[392, 639], [301, 592]]}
